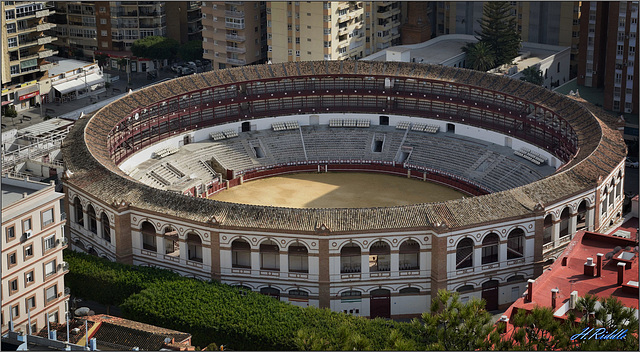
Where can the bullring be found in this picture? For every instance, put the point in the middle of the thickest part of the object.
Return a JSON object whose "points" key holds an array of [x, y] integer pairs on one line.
{"points": [[366, 261]]}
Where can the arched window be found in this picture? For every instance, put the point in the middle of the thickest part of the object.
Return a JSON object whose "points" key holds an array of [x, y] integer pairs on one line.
{"points": [[619, 185], [194, 247], [240, 254], [270, 291], [564, 222], [148, 236], [603, 208], [350, 258], [269, 256], [515, 244], [298, 258], [410, 291], [464, 254], [79, 214], [548, 229], [93, 224], [380, 257], [465, 288], [582, 215], [409, 255], [106, 230], [171, 242], [516, 278], [490, 248], [350, 295], [298, 294]]}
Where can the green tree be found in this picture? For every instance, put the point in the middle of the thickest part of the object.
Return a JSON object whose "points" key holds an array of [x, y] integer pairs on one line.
{"points": [[499, 30], [191, 51], [102, 59], [453, 325], [480, 56], [155, 48], [533, 75]]}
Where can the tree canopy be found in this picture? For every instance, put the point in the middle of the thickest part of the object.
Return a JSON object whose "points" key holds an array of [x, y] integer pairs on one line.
{"points": [[191, 51], [499, 30], [533, 75], [155, 48], [480, 56]]}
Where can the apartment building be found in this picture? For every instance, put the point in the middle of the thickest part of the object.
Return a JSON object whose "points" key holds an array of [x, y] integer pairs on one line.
{"points": [[89, 26], [234, 33], [24, 51], [608, 54], [345, 30], [32, 265], [544, 22], [184, 23]]}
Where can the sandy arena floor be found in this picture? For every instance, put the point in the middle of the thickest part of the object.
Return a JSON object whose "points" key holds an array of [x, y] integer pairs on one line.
{"points": [[337, 190]]}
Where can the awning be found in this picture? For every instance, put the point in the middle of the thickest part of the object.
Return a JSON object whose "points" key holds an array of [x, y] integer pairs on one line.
{"points": [[79, 83]]}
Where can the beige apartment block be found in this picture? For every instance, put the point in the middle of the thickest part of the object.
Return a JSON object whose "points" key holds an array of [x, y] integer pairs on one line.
{"points": [[24, 51], [330, 30], [32, 265], [233, 33]]}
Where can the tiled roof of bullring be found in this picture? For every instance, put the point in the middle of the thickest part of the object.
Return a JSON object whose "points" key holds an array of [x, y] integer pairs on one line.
{"points": [[600, 150]]}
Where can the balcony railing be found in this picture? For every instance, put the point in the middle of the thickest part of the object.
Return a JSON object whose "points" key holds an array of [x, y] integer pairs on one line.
{"points": [[235, 38], [234, 49], [236, 61], [46, 40], [45, 26], [236, 14], [44, 13], [234, 25]]}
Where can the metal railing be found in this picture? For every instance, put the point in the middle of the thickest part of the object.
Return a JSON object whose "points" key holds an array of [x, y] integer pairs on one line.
{"points": [[39, 147]]}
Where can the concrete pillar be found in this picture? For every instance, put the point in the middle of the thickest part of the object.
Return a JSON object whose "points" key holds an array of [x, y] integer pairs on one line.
{"points": [[573, 224], [364, 263], [85, 220], [206, 256], [160, 245], [477, 257], [255, 260], [502, 252], [284, 264], [184, 255], [589, 217], [395, 263], [99, 227], [555, 233]]}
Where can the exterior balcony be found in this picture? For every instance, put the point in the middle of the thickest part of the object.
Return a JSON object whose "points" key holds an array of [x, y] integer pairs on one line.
{"points": [[235, 49], [149, 13], [236, 61], [234, 14], [45, 26], [47, 53], [234, 25], [46, 40], [343, 30], [343, 5], [235, 38], [44, 13]]}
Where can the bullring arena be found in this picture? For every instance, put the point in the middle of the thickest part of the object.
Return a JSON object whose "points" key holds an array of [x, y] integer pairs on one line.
{"points": [[533, 167]]}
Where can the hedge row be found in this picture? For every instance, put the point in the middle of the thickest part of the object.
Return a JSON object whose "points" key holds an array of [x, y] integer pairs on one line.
{"points": [[214, 312]]}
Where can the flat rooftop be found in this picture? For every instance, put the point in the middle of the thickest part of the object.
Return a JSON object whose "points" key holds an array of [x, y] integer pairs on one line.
{"points": [[62, 65], [13, 189]]}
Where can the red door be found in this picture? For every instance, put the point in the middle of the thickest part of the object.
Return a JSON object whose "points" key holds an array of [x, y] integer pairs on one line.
{"points": [[490, 294], [380, 304]]}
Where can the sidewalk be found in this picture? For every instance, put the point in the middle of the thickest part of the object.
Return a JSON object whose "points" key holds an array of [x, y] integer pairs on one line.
{"points": [[32, 116]]}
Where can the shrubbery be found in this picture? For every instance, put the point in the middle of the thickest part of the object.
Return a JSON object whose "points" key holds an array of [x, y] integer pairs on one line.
{"points": [[214, 312]]}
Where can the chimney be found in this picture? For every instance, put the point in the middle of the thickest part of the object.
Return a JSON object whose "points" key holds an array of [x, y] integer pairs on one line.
{"points": [[621, 273], [529, 297], [573, 299], [554, 296], [589, 267], [502, 324], [599, 265]]}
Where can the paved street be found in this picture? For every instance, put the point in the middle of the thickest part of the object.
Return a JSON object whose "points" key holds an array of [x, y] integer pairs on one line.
{"points": [[32, 116]]}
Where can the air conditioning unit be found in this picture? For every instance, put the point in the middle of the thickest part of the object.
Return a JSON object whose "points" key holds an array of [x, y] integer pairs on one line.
{"points": [[28, 234]]}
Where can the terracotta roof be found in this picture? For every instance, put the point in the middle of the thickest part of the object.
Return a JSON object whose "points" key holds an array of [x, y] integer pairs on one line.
{"points": [[61, 330], [115, 332], [600, 149]]}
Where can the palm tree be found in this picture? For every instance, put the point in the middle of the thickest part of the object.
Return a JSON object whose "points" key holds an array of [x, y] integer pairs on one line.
{"points": [[480, 56]]}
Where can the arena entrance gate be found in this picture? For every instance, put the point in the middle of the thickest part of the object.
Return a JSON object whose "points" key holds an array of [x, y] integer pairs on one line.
{"points": [[490, 294], [380, 304], [246, 126], [384, 120]]}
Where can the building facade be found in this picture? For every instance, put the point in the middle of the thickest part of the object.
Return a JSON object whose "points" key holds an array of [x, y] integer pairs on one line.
{"points": [[345, 30], [24, 47], [234, 33], [185, 21], [608, 54], [32, 265]]}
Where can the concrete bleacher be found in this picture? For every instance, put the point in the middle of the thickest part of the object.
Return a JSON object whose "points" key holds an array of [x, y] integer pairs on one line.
{"points": [[492, 166]]}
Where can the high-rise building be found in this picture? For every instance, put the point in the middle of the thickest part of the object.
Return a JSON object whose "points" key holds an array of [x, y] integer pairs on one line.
{"points": [[544, 22], [24, 51], [234, 32], [301, 31], [608, 53], [89, 26], [32, 266], [184, 22]]}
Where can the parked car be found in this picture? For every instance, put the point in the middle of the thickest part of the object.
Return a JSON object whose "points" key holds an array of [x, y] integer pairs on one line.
{"points": [[191, 64], [631, 163], [187, 71], [198, 63], [176, 68]]}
